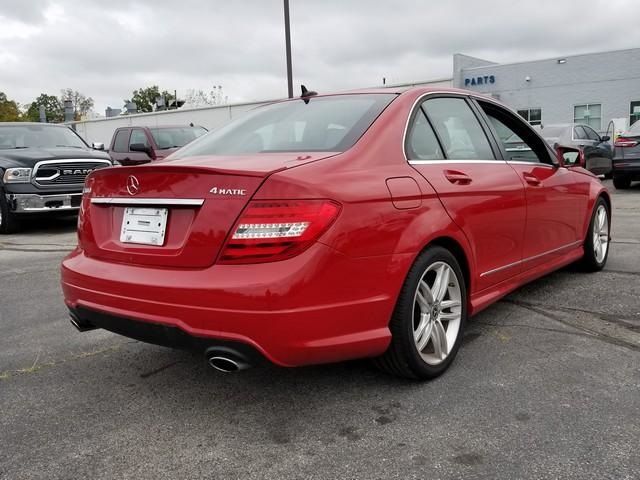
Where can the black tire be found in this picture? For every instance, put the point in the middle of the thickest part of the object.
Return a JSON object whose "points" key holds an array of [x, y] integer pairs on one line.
{"points": [[608, 176], [621, 183], [8, 222], [590, 261], [402, 358]]}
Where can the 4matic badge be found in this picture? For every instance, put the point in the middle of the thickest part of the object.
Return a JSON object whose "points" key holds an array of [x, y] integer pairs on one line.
{"points": [[228, 191]]}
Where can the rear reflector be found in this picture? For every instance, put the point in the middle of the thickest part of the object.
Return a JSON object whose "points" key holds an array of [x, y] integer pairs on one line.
{"points": [[625, 142], [268, 231]]}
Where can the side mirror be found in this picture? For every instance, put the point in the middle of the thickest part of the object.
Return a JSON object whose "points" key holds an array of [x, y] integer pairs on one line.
{"points": [[606, 138], [140, 147], [97, 146], [569, 157]]}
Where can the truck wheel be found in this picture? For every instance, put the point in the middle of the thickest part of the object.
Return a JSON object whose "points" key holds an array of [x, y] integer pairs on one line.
{"points": [[8, 222], [427, 323], [621, 183]]}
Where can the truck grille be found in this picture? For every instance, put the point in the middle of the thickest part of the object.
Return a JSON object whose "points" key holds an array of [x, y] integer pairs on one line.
{"points": [[65, 172]]}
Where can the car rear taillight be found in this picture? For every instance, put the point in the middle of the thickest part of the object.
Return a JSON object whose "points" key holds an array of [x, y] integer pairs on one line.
{"points": [[268, 231], [625, 142]]}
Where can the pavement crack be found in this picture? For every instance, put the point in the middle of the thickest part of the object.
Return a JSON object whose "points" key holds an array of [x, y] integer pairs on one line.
{"points": [[35, 250], [35, 367], [591, 333]]}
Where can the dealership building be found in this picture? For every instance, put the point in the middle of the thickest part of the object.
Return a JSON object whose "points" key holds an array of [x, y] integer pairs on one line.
{"points": [[593, 89]]}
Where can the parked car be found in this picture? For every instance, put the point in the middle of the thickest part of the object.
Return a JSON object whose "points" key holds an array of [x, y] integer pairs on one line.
{"points": [[138, 145], [626, 161], [42, 170], [327, 228], [596, 151]]}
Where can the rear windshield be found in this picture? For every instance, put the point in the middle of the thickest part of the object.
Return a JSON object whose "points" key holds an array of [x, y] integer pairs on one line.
{"points": [[322, 124], [172, 137]]}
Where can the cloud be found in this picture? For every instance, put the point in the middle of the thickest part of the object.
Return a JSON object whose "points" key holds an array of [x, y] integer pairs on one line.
{"points": [[108, 49]]}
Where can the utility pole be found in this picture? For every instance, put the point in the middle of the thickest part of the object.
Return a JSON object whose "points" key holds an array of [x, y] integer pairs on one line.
{"points": [[287, 39]]}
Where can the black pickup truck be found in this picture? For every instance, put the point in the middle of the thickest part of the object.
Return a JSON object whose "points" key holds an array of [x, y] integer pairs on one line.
{"points": [[42, 170]]}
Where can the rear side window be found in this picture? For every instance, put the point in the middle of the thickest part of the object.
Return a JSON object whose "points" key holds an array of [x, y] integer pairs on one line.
{"points": [[422, 143], [121, 143], [174, 137], [458, 129], [319, 124]]}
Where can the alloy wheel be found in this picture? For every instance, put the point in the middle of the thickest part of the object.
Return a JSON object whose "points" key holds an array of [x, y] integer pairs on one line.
{"points": [[601, 234], [437, 313]]}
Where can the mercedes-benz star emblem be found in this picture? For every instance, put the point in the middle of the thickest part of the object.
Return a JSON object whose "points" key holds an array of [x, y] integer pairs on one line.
{"points": [[133, 185]]}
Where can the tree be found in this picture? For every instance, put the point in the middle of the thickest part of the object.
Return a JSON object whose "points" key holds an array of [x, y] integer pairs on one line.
{"points": [[145, 98], [9, 111], [52, 107], [81, 103]]}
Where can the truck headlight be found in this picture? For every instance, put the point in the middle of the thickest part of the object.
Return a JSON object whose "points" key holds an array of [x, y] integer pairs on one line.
{"points": [[17, 175]]}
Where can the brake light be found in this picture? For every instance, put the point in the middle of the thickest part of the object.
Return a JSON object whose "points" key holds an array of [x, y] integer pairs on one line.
{"points": [[625, 142], [268, 231]]}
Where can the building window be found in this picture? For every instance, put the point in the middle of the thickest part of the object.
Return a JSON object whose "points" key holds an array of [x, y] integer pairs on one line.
{"points": [[589, 114], [532, 115], [634, 112]]}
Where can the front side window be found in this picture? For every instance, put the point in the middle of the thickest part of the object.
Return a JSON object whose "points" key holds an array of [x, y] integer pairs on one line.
{"points": [[634, 112], [532, 115], [121, 142], [422, 143], [589, 114], [138, 136], [458, 129], [518, 141], [591, 134], [579, 133], [316, 124]]}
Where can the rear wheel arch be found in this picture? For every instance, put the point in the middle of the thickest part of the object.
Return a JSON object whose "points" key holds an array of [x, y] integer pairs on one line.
{"points": [[458, 251]]}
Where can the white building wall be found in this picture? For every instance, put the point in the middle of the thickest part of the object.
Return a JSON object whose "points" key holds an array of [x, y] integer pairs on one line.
{"points": [[101, 130]]}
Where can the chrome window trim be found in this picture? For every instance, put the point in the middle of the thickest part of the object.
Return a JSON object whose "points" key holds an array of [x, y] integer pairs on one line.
{"points": [[537, 164], [525, 260], [449, 162], [147, 201], [463, 95]]}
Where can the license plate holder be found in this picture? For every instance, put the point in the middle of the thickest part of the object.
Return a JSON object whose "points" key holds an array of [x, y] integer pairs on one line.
{"points": [[145, 226]]}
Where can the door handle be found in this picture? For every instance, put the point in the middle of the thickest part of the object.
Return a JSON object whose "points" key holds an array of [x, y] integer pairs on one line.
{"points": [[531, 179], [457, 178]]}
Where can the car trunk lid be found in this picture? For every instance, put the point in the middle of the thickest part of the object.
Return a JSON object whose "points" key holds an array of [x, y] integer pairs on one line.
{"points": [[201, 199]]}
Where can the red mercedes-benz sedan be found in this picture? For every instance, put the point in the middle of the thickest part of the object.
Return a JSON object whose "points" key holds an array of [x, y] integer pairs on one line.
{"points": [[325, 228]]}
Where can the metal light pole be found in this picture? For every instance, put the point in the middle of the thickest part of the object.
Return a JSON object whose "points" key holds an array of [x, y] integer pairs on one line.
{"points": [[287, 39]]}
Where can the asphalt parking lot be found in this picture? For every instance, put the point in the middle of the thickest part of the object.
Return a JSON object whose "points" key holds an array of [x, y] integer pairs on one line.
{"points": [[547, 385]]}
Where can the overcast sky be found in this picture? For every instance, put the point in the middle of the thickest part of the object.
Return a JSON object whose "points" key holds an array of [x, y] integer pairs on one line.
{"points": [[107, 48]]}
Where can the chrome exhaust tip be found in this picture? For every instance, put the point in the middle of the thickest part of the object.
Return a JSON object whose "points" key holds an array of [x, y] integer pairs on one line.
{"points": [[80, 325], [226, 360], [224, 364]]}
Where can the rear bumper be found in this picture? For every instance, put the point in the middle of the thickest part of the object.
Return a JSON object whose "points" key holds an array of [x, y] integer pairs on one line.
{"points": [[318, 307], [627, 167], [35, 203]]}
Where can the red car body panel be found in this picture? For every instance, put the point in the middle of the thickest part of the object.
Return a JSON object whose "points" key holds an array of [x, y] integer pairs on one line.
{"points": [[334, 300]]}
